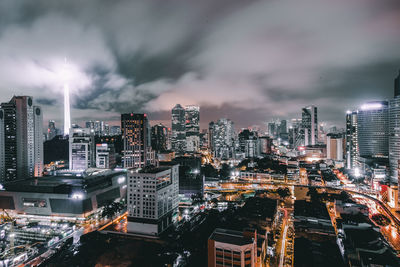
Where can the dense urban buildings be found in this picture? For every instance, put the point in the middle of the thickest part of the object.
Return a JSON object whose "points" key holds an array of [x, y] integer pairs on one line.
{"points": [[152, 198], [334, 146], [105, 156], [159, 136], [222, 138], [178, 127], [21, 139]]}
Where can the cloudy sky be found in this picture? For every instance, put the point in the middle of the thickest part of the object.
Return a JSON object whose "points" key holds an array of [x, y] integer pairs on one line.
{"points": [[247, 60]]}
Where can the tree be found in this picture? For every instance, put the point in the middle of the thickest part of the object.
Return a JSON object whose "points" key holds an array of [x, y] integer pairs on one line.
{"points": [[225, 171], [209, 171]]}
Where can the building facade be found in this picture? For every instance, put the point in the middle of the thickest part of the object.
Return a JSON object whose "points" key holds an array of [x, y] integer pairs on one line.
{"points": [[21, 145], [334, 146], [81, 149], [192, 128], [105, 156], [223, 138], [152, 199], [352, 151], [373, 129], [137, 151], [178, 127], [309, 120]]}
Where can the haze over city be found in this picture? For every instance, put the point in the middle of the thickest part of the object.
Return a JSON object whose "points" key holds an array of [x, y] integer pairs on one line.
{"points": [[250, 61]]}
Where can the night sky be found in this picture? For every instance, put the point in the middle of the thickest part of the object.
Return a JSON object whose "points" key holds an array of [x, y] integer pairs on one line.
{"points": [[250, 61]]}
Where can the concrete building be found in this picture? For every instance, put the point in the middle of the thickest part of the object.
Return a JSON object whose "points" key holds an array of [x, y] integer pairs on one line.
{"points": [[68, 194], [309, 121], [21, 145], [105, 156], [81, 149], [159, 138], [232, 248], [223, 138], [249, 143], [373, 129], [334, 146], [152, 199]]}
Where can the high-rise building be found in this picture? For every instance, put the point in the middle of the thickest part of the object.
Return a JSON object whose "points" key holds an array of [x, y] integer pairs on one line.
{"points": [[178, 138], [137, 151], [159, 138], [373, 129], [310, 125], [21, 145], [223, 139], [295, 137], [249, 143], [394, 131], [115, 130], [152, 199], [105, 156], [334, 146], [283, 127], [351, 139], [272, 129], [81, 149], [192, 128]]}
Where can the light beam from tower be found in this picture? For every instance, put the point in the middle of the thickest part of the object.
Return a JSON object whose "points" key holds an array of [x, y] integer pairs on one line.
{"points": [[67, 114]]}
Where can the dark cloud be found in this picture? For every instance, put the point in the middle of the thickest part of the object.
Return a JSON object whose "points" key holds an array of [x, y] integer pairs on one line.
{"points": [[250, 61]]}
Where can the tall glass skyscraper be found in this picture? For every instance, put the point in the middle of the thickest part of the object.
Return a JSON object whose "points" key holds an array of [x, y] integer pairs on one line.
{"points": [[373, 129], [192, 128], [178, 139], [394, 131], [309, 122]]}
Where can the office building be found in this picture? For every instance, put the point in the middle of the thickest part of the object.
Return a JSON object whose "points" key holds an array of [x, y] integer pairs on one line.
{"points": [[21, 144], [192, 128], [159, 138], [105, 156], [334, 146], [66, 194], [178, 138], [223, 138], [373, 130], [152, 199], [309, 120], [137, 151], [232, 248], [81, 149], [115, 130], [394, 131], [351, 140], [265, 145], [295, 137], [249, 144]]}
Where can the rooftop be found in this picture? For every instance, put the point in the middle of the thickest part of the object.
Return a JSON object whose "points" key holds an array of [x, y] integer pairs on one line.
{"points": [[230, 237]]}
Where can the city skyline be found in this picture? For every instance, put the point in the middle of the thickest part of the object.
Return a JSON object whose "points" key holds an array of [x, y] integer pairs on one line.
{"points": [[311, 57]]}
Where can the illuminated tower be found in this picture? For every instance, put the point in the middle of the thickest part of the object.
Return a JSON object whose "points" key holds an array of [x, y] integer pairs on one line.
{"points": [[67, 114]]}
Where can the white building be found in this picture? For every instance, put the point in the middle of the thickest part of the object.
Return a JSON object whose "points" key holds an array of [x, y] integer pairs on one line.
{"points": [[152, 198], [105, 156], [81, 149]]}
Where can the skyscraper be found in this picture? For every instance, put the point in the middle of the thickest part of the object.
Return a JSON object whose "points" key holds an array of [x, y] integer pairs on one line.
{"points": [[137, 151], [394, 131], [51, 130], [373, 129], [223, 138], [310, 125], [351, 139], [21, 145], [192, 128], [159, 137], [178, 138]]}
